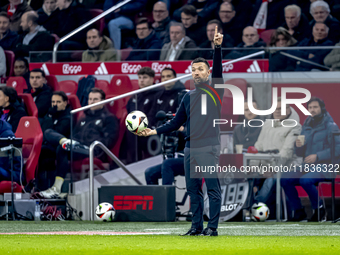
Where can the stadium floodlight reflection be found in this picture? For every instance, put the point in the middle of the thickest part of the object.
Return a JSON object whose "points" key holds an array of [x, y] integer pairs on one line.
{"points": [[91, 177]]}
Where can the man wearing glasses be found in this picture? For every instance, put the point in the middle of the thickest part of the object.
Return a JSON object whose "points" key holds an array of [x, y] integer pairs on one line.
{"points": [[162, 20]]}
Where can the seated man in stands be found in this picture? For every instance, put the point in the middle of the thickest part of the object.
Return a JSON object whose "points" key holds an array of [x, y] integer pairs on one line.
{"points": [[316, 152], [3, 66], [180, 47], [275, 136], [97, 124], [7, 37], [21, 68], [319, 38], [162, 20], [15, 9], [250, 39], [41, 93], [46, 19], [34, 38], [11, 110], [58, 120], [244, 134], [100, 48], [147, 40]]}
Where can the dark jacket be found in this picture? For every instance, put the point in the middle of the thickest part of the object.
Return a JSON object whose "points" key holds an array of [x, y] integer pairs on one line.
{"points": [[334, 28], [241, 53], [246, 135], [319, 54], [165, 100], [197, 32], [43, 41], [318, 139], [207, 52], [48, 22], [280, 63], [148, 43], [16, 111], [99, 125], [15, 20], [8, 42], [163, 30], [42, 98], [185, 51], [303, 29], [5, 163], [128, 10], [234, 29], [59, 121], [207, 13]]}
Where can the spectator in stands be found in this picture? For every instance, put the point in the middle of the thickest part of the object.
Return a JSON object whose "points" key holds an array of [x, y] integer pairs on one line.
{"points": [[7, 37], [209, 44], [275, 136], [34, 38], [21, 68], [97, 124], [162, 21], [205, 9], [5, 162], [194, 27], [122, 18], [180, 46], [15, 9], [45, 14], [244, 134], [3, 66], [166, 99], [100, 48], [231, 25], [278, 62], [316, 153], [58, 120], [319, 38], [41, 93], [11, 109], [321, 13], [333, 59], [250, 40], [147, 40], [296, 23]]}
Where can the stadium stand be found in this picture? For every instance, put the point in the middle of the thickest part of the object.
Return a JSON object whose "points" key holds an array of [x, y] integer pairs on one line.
{"points": [[18, 83]]}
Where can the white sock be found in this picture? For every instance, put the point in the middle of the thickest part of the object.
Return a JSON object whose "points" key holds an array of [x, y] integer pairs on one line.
{"points": [[58, 183]]}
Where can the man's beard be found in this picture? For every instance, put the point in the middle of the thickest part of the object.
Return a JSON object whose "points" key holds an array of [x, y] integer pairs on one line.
{"points": [[200, 80]]}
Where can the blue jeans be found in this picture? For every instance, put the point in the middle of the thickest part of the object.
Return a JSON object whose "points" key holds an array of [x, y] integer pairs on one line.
{"points": [[167, 171], [266, 190], [115, 26], [307, 182]]}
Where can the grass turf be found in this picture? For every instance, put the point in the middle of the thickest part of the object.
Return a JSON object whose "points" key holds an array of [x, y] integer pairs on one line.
{"points": [[235, 238]]}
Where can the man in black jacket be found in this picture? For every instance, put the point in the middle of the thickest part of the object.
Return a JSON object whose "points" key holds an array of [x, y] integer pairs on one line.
{"points": [[57, 119], [7, 37], [97, 124], [202, 148], [41, 93], [34, 38]]}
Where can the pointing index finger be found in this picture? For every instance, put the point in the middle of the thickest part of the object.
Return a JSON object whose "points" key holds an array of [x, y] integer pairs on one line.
{"points": [[215, 30]]}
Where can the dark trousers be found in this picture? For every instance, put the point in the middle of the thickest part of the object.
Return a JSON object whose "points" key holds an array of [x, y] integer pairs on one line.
{"points": [[203, 157], [167, 171]]}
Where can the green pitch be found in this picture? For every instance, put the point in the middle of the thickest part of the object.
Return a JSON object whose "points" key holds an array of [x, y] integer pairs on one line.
{"points": [[162, 238]]}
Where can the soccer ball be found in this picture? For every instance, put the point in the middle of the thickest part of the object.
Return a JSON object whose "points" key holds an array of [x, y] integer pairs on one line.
{"points": [[136, 122], [105, 212], [259, 212]]}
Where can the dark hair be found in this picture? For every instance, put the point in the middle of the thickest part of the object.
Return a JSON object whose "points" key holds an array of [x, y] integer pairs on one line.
{"points": [[320, 101], [144, 20], [227, 3], [217, 22], [62, 94], [32, 16], [100, 34], [319, 22], [284, 32], [11, 93], [4, 14], [146, 70], [200, 60], [189, 10], [169, 69], [100, 91], [23, 60], [37, 70]]}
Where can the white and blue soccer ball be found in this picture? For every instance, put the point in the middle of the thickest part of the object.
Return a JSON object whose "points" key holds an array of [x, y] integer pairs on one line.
{"points": [[136, 122], [105, 212], [259, 212]]}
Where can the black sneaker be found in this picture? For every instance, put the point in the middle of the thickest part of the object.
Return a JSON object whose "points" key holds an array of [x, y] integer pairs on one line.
{"points": [[192, 232], [315, 215], [209, 232], [299, 215]]}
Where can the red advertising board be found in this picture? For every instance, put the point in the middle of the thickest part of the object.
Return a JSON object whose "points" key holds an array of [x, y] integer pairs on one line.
{"points": [[181, 67]]}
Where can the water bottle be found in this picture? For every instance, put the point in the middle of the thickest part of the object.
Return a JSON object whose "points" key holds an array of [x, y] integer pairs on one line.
{"points": [[37, 212]]}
